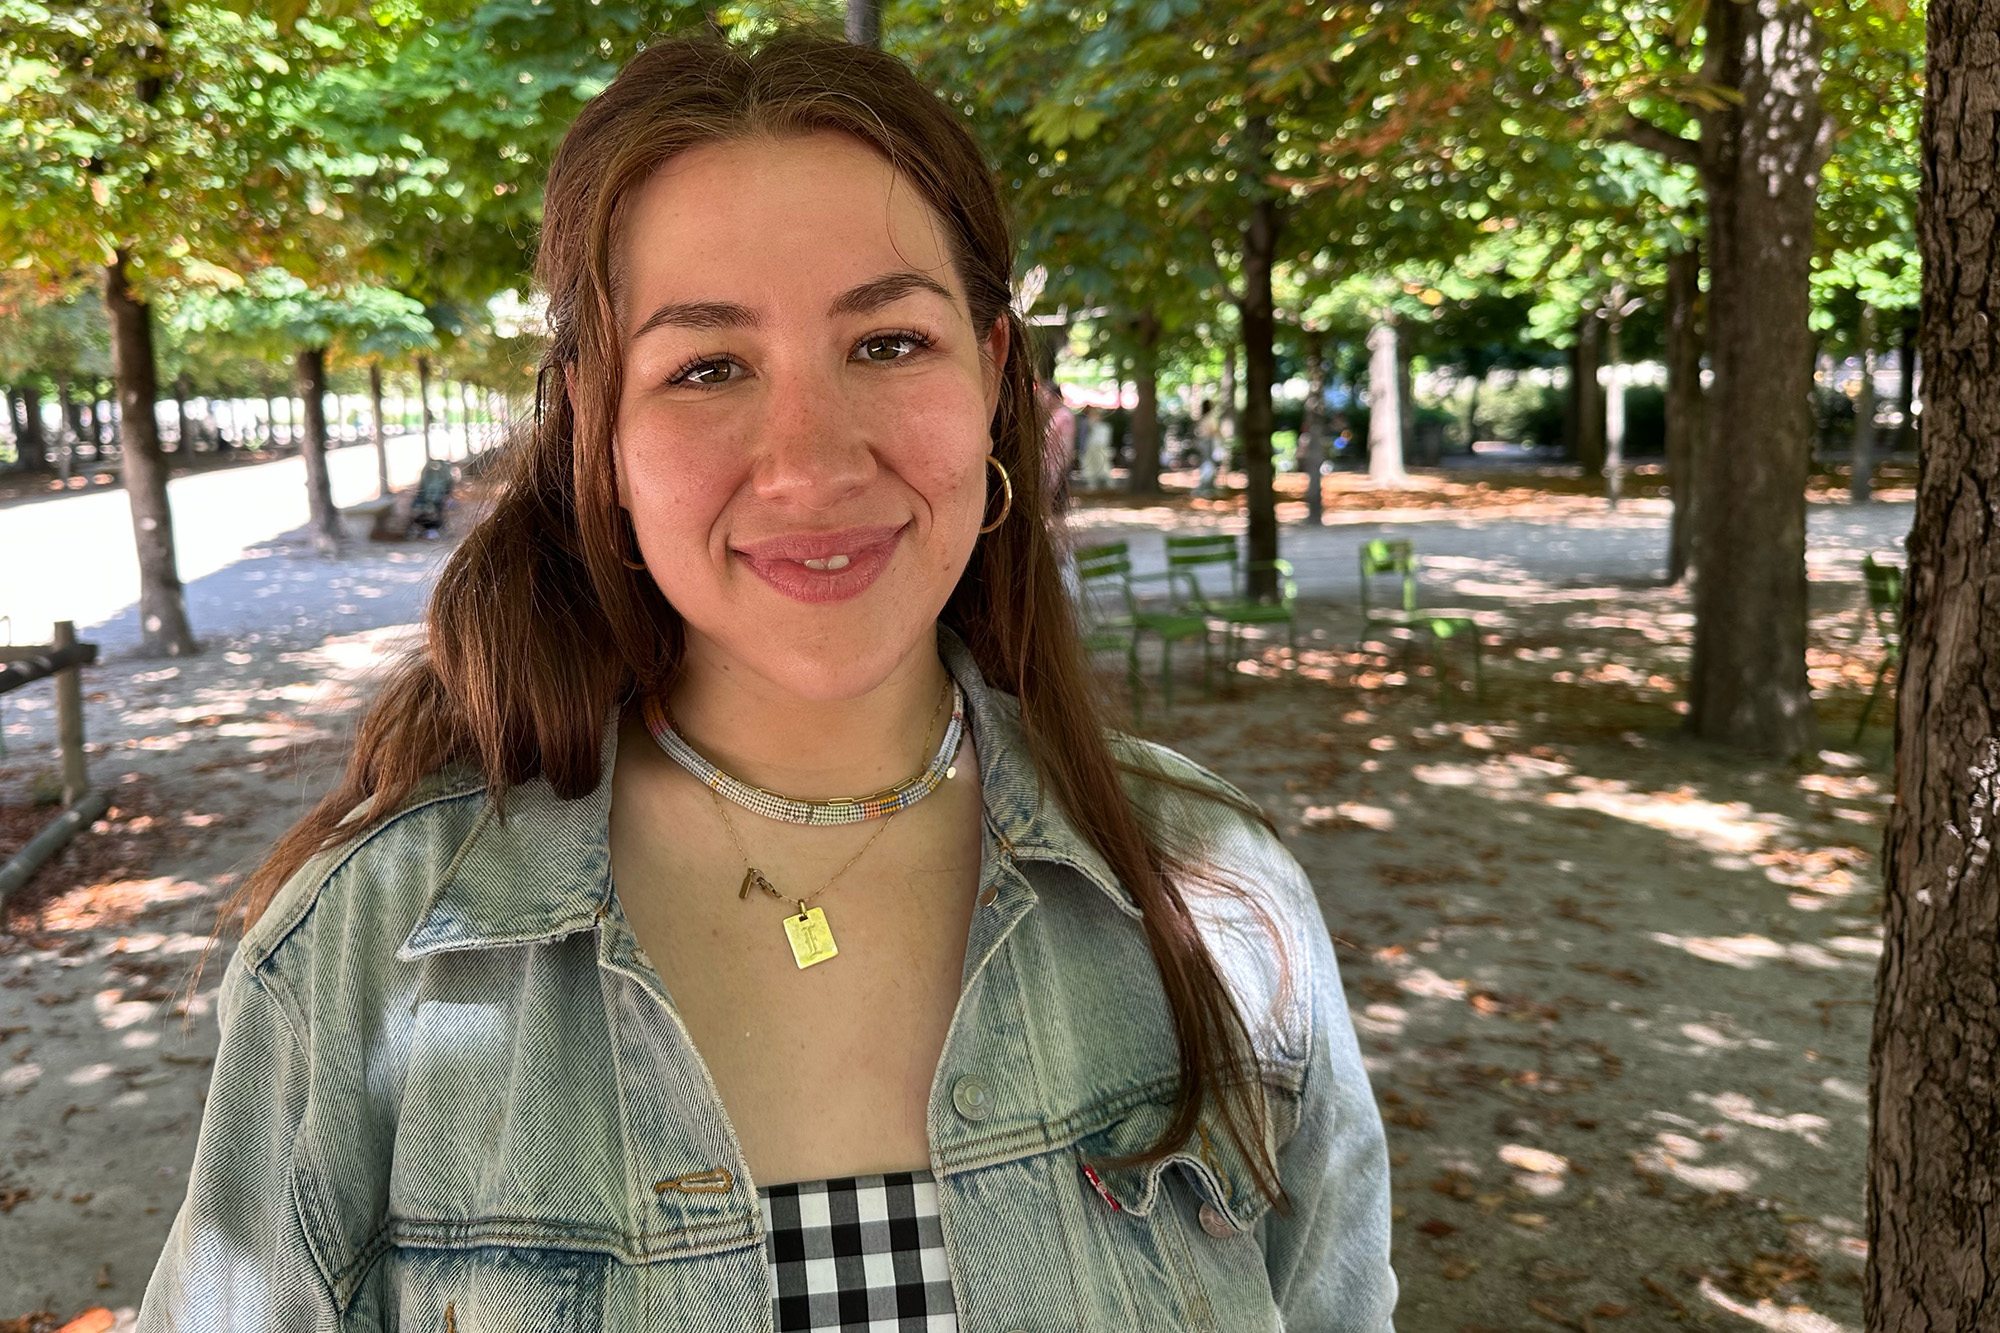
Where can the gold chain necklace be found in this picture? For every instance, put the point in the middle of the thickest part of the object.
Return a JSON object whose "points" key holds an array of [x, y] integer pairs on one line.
{"points": [[810, 936]]}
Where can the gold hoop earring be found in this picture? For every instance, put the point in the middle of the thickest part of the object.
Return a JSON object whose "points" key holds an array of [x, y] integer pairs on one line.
{"points": [[1007, 493], [634, 544]]}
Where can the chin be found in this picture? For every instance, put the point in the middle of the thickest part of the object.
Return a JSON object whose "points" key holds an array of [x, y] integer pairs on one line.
{"points": [[842, 663]]}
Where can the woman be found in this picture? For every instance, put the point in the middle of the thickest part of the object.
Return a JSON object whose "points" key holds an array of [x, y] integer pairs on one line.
{"points": [[585, 1003]]}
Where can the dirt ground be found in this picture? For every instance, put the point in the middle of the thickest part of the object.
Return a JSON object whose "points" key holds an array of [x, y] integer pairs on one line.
{"points": [[1613, 985]]}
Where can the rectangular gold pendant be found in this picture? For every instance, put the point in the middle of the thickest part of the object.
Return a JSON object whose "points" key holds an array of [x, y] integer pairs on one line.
{"points": [[812, 941]]}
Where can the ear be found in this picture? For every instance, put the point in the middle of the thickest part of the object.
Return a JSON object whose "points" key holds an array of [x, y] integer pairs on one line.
{"points": [[993, 361]]}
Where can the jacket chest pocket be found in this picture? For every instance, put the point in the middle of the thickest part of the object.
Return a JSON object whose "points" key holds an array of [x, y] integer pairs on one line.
{"points": [[1183, 1232], [495, 1289]]}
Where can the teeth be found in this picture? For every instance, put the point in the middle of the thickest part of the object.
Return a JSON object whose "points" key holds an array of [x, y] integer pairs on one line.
{"points": [[831, 562]]}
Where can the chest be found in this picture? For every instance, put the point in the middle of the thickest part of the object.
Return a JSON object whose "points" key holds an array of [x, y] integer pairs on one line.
{"points": [[823, 1070]]}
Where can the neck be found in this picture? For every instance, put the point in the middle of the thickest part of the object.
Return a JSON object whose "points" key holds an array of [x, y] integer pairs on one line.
{"points": [[759, 732]]}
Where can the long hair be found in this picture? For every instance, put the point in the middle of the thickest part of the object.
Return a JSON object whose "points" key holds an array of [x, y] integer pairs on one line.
{"points": [[537, 629]]}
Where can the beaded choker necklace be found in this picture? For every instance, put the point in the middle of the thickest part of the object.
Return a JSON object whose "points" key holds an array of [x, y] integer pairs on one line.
{"points": [[841, 810]]}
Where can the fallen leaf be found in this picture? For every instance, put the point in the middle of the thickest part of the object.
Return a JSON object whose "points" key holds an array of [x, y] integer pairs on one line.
{"points": [[1532, 1220], [94, 1320], [1611, 1310], [1457, 1268], [1437, 1226]]}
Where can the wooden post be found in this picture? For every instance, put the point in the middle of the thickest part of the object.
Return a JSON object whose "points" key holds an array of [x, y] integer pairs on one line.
{"points": [[69, 720]]}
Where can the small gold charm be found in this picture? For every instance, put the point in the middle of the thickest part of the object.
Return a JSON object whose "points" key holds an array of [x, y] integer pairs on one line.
{"points": [[811, 941], [753, 878]]}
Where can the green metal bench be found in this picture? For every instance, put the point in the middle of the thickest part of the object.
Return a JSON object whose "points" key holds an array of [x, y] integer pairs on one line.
{"points": [[1383, 557], [1191, 559], [1885, 613], [1112, 619]]}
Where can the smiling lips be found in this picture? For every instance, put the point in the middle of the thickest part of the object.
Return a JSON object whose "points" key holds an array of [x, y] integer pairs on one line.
{"points": [[823, 566]]}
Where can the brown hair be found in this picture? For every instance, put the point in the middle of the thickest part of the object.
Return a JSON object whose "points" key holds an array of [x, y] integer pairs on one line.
{"points": [[508, 681]]}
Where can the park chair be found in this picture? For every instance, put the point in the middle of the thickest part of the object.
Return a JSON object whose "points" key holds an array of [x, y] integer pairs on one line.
{"points": [[1885, 613], [1113, 619], [1196, 570], [1382, 557]]}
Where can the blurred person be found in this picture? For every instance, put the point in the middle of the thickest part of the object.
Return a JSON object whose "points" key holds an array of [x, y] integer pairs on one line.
{"points": [[1208, 445], [1096, 450], [589, 1000], [1058, 444]]}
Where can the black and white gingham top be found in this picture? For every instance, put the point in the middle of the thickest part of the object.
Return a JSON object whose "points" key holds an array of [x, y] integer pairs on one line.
{"points": [[858, 1255]]}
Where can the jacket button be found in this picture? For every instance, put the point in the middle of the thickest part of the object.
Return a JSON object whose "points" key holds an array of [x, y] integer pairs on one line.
{"points": [[972, 1097], [988, 894], [1214, 1223]]}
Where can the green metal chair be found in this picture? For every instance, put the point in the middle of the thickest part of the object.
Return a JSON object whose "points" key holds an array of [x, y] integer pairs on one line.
{"points": [[1113, 619], [1383, 557], [1885, 613], [1190, 559]]}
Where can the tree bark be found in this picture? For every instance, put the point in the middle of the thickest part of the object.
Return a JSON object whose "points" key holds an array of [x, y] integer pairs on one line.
{"points": [[424, 400], [864, 22], [1385, 412], [31, 444], [1614, 410], [1761, 152], [1145, 475], [1861, 486], [163, 622], [1588, 394], [1684, 399], [1312, 433], [310, 363], [1414, 449], [1260, 373], [375, 419], [1934, 1152]]}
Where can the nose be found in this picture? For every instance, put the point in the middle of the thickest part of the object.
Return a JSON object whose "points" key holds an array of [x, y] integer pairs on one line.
{"points": [[814, 446]]}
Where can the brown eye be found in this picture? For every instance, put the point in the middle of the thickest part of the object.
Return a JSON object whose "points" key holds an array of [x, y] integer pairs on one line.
{"points": [[889, 346], [708, 374]]}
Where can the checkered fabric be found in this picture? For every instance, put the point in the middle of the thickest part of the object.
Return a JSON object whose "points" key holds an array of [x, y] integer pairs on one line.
{"points": [[858, 1255]]}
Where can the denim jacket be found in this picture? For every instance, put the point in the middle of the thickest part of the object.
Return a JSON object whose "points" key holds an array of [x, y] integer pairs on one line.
{"points": [[454, 1096]]}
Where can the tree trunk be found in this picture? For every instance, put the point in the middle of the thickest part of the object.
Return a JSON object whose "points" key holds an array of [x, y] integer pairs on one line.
{"points": [[1260, 373], [1614, 404], [375, 419], [1472, 414], [1312, 435], [181, 445], [1385, 412], [1145, 475], [1588, 394], [1906, 384], [1761, 156], [31, 444], [864, 22], [1934, 1152], [424, 400], [1684, 396], [1415, 450], [1225, 396], [163, 623], [311, 365], [1861, 487]]}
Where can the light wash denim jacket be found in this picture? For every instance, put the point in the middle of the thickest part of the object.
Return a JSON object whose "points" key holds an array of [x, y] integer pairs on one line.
{"points": [[454, 1096]]}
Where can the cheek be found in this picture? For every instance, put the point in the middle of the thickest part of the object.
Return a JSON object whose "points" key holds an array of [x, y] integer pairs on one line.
{"points": [[676, 488]]}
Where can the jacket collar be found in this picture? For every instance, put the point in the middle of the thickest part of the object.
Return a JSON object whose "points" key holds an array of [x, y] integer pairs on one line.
{"points": [[544, 870]]}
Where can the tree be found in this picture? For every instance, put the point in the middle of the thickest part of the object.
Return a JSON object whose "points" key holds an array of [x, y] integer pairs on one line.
{"points": [[1934, 1159], [279, 315], [152, 141]]}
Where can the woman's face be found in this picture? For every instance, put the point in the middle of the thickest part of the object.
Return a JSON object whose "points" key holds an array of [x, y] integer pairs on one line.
{"points": [[802, 435]]}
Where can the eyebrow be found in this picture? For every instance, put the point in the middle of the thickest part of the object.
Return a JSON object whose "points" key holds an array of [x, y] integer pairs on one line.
{"points": [[859, 300]]}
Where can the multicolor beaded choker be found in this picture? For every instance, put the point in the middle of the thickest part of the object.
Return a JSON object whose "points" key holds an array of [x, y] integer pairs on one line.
{"points": [[842, 810]]}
